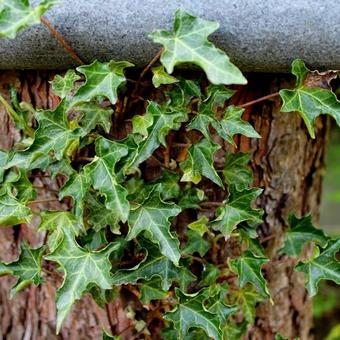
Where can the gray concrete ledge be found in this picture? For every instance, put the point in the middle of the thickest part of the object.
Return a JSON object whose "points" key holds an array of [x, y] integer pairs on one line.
{"points": [[258, 35]]}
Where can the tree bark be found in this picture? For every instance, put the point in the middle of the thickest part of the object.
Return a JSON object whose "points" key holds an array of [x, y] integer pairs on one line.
{"points": [[286, 163]]}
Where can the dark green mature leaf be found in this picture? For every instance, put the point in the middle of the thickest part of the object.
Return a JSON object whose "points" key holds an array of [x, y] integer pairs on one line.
{"points": [[102, 174], [152, 290], [196, 243], [155, 265], [188, 44], [236, 209], [27, 268], [3, 161], [199, 162], [309, 100], [190, 312], [62, 86], [153, 216], [321, 267], [82, 269], [102, 80], [156, 123], [248, 268], [53, 139], [12, 211], [16, 15], [237, 172], [160, 77], [209, 275], [301, 230], [183, 93], [234, 331]]}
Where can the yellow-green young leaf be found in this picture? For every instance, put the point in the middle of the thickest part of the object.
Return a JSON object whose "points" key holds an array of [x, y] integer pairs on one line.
{"points": [[199, 162], [54, 139], [237, 172], [155, 125], [309, 100], [82, 270], [62, 86], [160, 77], [54, 222], [155, 265], [301, 231], [191, 312], [324, 266], [16, 15], [102, 174], [152, 290], [12, 211], [200, 226], [102, 80], [236, 209], [27, 268], [248, 268], [152, 215], [188, 43]]}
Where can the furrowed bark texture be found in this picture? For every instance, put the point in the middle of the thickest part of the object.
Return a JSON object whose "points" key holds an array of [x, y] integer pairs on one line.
{"points": [[286, 163]]}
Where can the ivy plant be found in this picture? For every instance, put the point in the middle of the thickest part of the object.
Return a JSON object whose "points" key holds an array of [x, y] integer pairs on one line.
{"points": [[120, 228]]}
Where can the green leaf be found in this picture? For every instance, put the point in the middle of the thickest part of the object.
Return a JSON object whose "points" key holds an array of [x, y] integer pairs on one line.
{"points": [[209, 274], [62, 86], [82, 269], [322, 267], [12, 211], [102, 174], [102, 80], [200, 226], [153, 216], [55, 222], [236, 209], [156, 123], [309, 101], [248, 268], [155, 265], [3, 161], [301, 231], [160, 77], [53, 139], [188, 43], [199, 162], [27, 268], [237, 171], [151, 290], [196, 243], [190, 312], [16, 15]]}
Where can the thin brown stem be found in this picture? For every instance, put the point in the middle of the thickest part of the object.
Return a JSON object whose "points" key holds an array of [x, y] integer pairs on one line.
{"points": [[45, 201], [45, 189], [210, 204], [61, 40], [258, 100], [151, 63]]}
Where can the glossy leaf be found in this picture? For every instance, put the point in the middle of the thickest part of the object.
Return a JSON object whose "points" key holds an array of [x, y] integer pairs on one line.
{"points": [[196, 243], [151, 290], [12, 211], [62, 86], [160, 77], [188, 43]]}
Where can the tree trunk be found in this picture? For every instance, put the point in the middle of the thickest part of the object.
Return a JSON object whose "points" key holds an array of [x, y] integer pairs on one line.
{"points": [[287, 164]]}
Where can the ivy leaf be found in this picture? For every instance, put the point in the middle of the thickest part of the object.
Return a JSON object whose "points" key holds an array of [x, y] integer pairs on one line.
{"points": [[155, 265], [151, 290], [209, 275], [82, 269], [196, 243], [188, 43], [101, 172], [158, 121], [301, 230], [200, 226], [55, 222], [27, 268], [190, 312], [168, 185], [153, 216], [160, 77], [232, 124], [183, 92], [3, 161], [62, 86], [248, 268], [199, 162], [191, 197], [321, 267], [237, 171], [16, 15], [309, 101], [102, 80], [54, 136], [12, 211], [236, 209]]}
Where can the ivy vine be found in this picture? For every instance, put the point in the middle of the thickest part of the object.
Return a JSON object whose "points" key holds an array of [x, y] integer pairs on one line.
{"points": [[120, 229]]}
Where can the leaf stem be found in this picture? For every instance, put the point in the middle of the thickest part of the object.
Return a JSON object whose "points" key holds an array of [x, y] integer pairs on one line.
{"points": [[45, 201], [258, 100], [151, 63], [61, 40]]}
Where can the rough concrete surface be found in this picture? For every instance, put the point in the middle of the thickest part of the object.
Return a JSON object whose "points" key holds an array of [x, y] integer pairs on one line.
{"points": [[258, 35]]}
